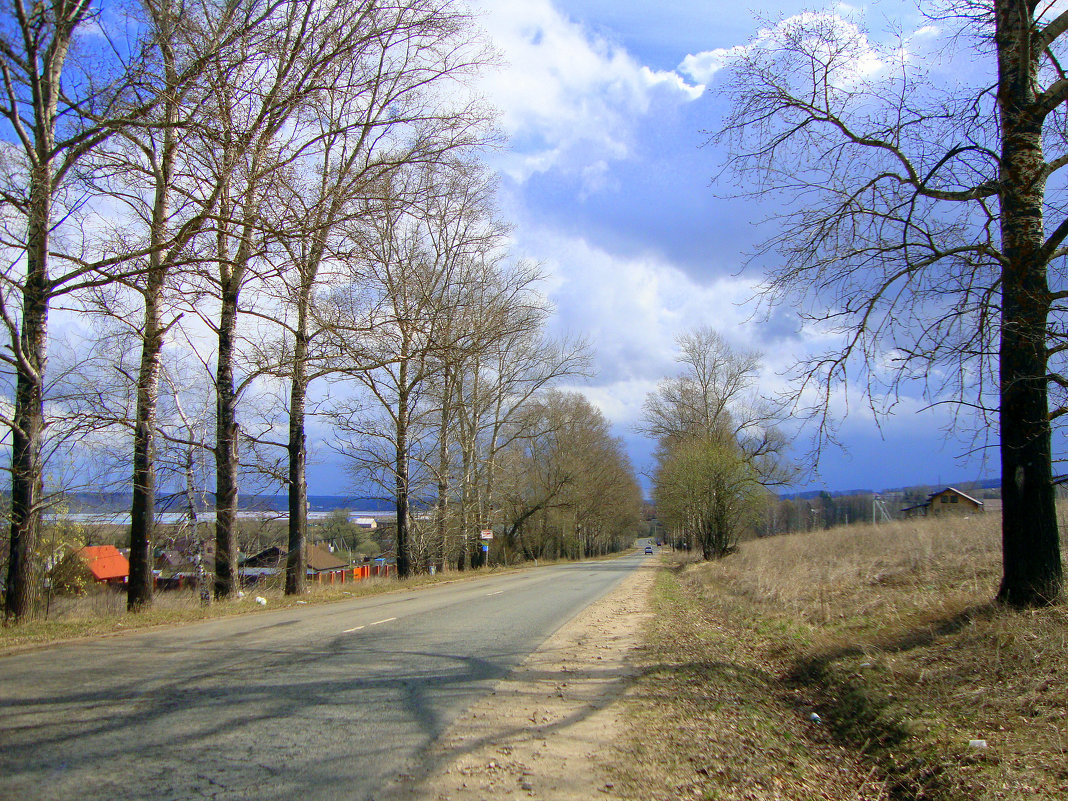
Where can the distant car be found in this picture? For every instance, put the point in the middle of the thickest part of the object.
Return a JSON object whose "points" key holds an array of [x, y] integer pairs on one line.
{"points": [[648, 548]]}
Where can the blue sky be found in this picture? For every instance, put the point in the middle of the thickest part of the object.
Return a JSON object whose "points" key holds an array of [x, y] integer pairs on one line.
{"points": [[608, 182], [610, 187]]}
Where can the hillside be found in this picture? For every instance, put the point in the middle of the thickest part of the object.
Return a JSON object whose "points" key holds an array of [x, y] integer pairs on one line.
{"points": [[861, 662]]}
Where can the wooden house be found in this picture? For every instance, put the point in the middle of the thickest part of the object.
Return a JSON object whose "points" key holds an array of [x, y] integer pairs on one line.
{"points": [[322, 566], [949, 501]]}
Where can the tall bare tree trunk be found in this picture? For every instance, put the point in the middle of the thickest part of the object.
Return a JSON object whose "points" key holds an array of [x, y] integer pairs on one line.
{"points": [[296, 561], [226, 447], [143, 507], [463, 559], [27, 469], [443, 468], [404, 565], [1030, 540], [47, 38]]}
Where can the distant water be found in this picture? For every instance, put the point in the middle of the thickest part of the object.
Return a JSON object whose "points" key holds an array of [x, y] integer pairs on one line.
{"points": [[114, 508], [318, 503]]}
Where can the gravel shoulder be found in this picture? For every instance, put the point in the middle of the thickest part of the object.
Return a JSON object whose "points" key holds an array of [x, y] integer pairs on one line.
{"points": [[550, 729]]}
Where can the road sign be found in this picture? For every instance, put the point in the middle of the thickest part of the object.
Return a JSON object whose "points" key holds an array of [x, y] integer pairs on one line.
{"points": [[485, 549], [487, 534]]}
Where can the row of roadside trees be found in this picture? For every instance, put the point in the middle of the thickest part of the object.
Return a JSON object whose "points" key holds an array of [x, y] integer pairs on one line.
{"points": [[224, 218]]}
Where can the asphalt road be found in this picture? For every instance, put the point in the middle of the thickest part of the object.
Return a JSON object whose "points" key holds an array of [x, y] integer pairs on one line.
{"points": [[318, 702]]}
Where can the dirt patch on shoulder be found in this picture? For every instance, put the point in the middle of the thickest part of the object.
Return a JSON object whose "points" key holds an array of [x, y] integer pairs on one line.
{"points": [[549, 729]]}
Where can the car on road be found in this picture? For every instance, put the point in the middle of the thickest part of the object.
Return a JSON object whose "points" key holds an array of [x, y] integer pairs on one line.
{"points": [[648, 548]]}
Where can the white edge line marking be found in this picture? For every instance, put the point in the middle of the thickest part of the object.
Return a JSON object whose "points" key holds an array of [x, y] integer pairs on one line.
{"points": [[349, 631], [387, 620]]}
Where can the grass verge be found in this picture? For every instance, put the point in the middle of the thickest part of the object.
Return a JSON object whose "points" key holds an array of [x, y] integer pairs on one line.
{"points": [[888, 635], [103, 613]]}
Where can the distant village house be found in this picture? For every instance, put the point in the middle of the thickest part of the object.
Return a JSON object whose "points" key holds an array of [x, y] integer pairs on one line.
{"points": [[949, 501], [322, 566], [101, 565]]}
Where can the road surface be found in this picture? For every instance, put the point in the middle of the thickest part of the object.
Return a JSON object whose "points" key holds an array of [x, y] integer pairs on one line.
{"points": [[317, 702]]}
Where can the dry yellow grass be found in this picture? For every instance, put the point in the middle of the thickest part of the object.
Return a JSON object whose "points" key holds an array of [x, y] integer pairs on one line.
{"points": [[103, 612], [889, 634]]}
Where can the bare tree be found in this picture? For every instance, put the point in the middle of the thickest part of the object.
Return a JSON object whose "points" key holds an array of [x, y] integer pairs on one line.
{"points": [[150, 169], [715, 398], [494, 384], [436, 295], [57, 109], [921, 222], [259, 130], [719, 447], [406, 285], [491, 306], [386, 110]]}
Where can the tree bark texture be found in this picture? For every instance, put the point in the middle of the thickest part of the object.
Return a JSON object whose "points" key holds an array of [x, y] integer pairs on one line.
{"points": [[41, 66], [226, 449], [1030, 539], [443, 469], [143, 507], [404, 565], [27, 468], [296, 560]]}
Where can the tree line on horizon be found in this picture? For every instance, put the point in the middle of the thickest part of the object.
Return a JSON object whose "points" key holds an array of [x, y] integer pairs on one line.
{"points": [[225, 221]]}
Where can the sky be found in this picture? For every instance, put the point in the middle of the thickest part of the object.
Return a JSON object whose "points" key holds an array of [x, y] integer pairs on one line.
{"points": [[608, 180], [607, 177]]}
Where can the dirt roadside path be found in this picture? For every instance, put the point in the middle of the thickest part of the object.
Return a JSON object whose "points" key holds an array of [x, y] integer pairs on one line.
{"points": [[548, 730]]}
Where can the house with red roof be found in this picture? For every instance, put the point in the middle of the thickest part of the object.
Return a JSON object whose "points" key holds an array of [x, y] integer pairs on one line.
{"points": [[105, 563]]}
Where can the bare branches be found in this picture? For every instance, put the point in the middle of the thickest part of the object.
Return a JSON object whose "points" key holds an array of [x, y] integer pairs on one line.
{"points": [[1052, 31], [719, 447], [891, 241], [883, 238]]}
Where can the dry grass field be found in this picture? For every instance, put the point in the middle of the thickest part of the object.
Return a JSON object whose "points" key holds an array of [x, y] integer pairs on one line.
{"points": [[103, 612], [889, 636]]}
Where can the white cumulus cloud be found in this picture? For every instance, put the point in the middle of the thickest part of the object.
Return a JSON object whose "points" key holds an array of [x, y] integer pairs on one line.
{"points": [[701, 67], [632, 309], [567, 96], [832, 37]]}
